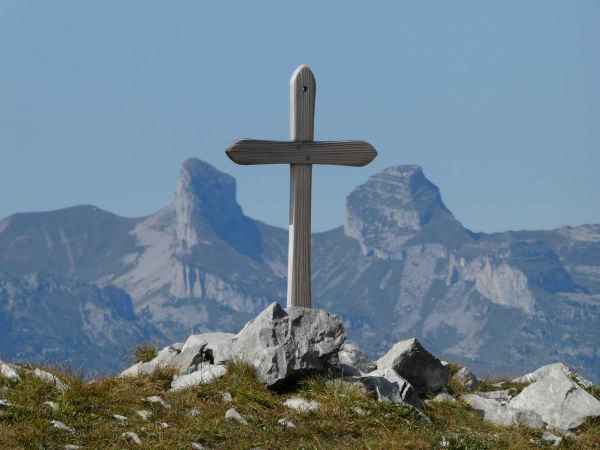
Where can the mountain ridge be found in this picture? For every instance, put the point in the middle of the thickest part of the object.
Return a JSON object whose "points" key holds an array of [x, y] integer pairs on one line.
{"points": [[400, 265]]}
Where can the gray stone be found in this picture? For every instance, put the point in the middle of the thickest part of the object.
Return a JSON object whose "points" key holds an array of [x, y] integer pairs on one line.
{"points": [[119, 418], [353, 361], [359, 411], [227, 397], [302, 405], [232, 414], [163, 425], [4, 403], [7, 371], [219, 343], [132, 438], [551, 438], [286, 423], [204, 375], [282, 344], [52, 405], [197, 446], [162, 360], [71, 447], [158, 400], [442, 397], [466, 378], [412, 362], [49, 378], [144, 413], [390, 387], [553, 369], [500, 414], [61, 426], [561, 402]]}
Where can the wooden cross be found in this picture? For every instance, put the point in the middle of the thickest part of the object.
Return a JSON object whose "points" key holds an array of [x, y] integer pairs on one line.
{"points": [[301, 153]]}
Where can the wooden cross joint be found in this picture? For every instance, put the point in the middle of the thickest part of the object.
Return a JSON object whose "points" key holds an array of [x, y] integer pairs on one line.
{"points": [[301, 153]]}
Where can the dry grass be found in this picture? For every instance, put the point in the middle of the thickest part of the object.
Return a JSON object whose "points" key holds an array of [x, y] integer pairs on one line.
{"points": [[88, 408]]}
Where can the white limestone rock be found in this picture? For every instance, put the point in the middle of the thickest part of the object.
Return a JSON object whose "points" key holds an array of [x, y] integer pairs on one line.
{"points": [[132, 438], [553, 369], [120, 418], [500, 414], [52, 405], [353, 361], [286, 423], [162, 360], [442, 397], [466, 378], [391, 387], [204, 375], [49, 378], [415, 364], [219, 345], [282, 344], [561, 402], [61, 426], [302, 405], [9, 372], [144, 414], [4, 403], [157, 400], [232, 414]]}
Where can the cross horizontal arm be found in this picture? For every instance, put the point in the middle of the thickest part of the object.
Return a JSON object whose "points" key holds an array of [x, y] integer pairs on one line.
{"points": [[342, 153]]}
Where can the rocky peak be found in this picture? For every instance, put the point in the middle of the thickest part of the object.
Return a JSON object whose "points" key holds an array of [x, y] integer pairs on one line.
{"points": [[391, 208], [206, 208]]}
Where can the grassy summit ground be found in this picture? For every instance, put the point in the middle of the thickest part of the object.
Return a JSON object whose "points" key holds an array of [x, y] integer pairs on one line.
{"points": [[348, 418]]}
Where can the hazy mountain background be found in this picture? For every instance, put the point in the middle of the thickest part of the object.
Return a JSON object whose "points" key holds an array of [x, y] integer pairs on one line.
{"points": [[83, 286]]}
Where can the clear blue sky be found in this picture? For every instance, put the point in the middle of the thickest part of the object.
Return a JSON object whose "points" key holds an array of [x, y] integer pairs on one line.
{"points": [[100, 102]]}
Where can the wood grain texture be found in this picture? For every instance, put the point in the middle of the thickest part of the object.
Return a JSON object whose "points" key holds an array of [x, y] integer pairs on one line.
{"points": [[342, 153], [303, 89]]}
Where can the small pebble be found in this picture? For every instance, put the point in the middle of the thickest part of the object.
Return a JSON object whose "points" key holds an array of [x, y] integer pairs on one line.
{"points": [[157, 399], [52, 405], [71, 447], [132, 438], [61, 426], [227, 397], [4, 403], [144, 414], [286, 423], [232, 414], [302, 405], [163, 425], [194, 412], [197, 446], [359, 411], [120, 418]]}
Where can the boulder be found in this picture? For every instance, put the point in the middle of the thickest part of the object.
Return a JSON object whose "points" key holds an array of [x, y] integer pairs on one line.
{"points": [[281, 345], [162, 360], [204, 375], [560, 401], [203, 349], [502, 396], [8, 371], [411, 361], [466, 378], [391, 387], [501, 414], [553, 369], [353, 361]]}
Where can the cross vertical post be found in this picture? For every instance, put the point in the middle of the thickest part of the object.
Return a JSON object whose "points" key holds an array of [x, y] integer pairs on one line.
{"points": [[301, 153], [302, 118]]}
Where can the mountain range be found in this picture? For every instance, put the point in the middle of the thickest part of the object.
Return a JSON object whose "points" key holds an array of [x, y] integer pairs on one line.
{"points": [[83, 286]]}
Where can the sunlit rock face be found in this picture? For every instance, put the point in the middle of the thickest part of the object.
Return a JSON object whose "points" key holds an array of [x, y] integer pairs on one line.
{"points": [[391, 208]]}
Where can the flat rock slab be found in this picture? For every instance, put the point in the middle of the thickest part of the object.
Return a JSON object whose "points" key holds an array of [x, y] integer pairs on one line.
{"points": [[499, 414], [391, 387], [414, 363], [203, 375], [561, 402]]}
